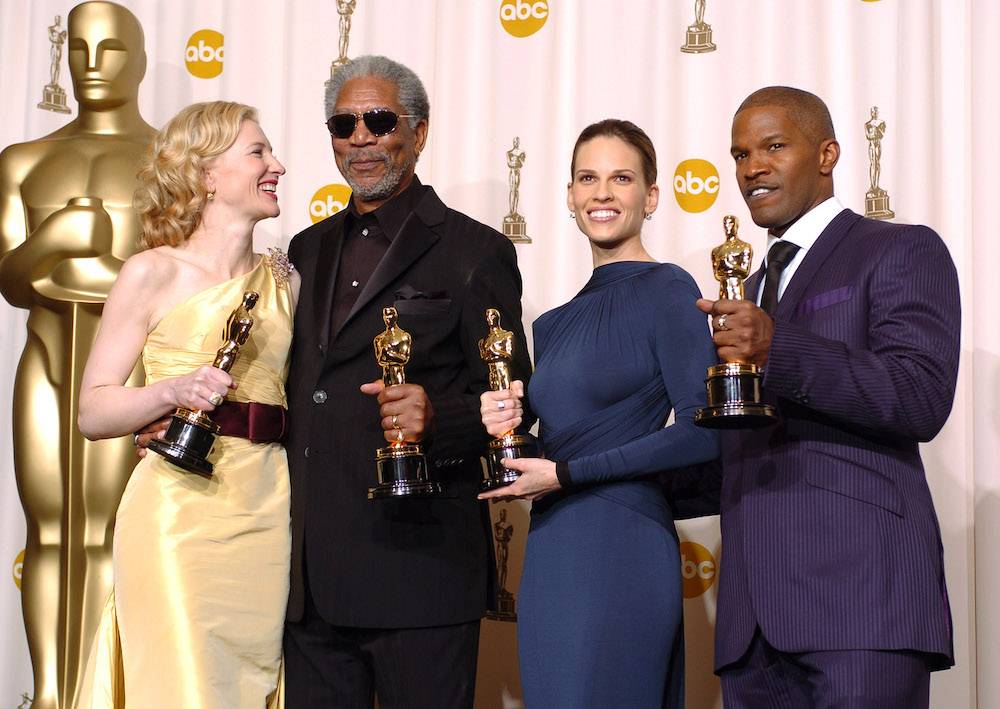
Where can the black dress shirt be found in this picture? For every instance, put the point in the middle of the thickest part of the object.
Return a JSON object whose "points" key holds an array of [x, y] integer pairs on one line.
{"points": [[366, 239]]}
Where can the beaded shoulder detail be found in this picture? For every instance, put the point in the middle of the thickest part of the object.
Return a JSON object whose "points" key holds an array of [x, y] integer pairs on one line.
{"points": [[281, 267]]}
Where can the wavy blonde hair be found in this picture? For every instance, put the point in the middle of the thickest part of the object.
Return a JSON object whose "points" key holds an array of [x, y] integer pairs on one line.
{"points": [[171, 193]]}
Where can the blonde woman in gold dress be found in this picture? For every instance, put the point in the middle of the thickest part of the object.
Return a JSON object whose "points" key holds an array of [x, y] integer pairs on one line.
{"points": [[200, 563]]}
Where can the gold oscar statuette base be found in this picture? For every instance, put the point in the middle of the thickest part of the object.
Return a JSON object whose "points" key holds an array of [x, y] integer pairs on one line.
{"points": [[402, 473], [699, 40], [54, 99], [188, 441], [515, 229], [734, 400], [877, 205], [511, 445]]}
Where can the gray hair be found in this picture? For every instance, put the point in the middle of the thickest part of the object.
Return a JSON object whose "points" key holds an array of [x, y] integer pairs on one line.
{"points": [[412, 95]]}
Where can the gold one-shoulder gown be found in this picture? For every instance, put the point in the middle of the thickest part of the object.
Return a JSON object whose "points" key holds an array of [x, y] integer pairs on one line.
{"points": [[201, 565]]}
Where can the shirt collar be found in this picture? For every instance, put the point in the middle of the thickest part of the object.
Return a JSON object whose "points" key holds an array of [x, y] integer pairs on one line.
{"points": [[392, 215], [804, 232]]}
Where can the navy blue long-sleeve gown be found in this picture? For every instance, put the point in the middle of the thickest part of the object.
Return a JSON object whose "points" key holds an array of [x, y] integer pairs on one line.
{"points": [[600, 600]]}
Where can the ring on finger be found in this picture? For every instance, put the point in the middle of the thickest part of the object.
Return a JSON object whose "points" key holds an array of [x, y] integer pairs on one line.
{"points": [[395, 421], [135, 440], [722, 322], [215, 398], [501, 405]]}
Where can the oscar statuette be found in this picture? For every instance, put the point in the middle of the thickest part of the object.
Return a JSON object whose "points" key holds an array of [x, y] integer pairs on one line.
{"points": [[733, 388], [402, 467], [496, 350], [191, 435]]}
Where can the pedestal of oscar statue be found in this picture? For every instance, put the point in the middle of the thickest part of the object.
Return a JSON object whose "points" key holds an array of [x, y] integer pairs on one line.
{"points": [[877, 205], [515, 229], [699, 40], [54, 99]]}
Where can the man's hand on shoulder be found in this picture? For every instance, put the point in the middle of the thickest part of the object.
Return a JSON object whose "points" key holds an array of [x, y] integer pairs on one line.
{"points": [[741, 331]]}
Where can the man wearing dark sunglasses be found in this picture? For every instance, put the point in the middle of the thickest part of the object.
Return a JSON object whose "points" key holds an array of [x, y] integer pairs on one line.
{"points": [[386, 596]]}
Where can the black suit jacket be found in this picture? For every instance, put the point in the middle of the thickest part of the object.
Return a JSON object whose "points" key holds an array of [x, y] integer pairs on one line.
{"points": [[395, 563]]}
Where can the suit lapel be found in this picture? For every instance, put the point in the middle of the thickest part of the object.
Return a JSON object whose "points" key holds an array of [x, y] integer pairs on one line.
{"points": [[327, 262], [414, 238], [805, 274]]}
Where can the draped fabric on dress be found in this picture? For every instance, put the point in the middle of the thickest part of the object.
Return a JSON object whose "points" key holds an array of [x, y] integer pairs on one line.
{"points": [[201, 565], [600, 607]]}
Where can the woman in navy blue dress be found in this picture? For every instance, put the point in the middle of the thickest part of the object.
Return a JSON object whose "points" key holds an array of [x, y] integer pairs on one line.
{"points": [[600, 599]]}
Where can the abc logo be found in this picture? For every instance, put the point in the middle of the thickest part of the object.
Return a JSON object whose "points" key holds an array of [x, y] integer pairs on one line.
{"points": [[204, 54], [327, 201], [523, 17], [18, 566], [696, 185], [698, 569]]}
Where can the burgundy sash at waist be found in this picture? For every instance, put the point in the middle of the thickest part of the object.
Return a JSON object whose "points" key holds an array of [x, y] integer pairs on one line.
{"points": [[261, 423]]}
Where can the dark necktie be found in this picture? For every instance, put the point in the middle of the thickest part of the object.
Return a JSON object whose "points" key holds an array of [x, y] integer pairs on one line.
{"points": [[780, 255]]}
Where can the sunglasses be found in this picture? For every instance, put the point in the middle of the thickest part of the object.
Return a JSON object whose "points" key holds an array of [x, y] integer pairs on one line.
{"points": [[378, 121]]}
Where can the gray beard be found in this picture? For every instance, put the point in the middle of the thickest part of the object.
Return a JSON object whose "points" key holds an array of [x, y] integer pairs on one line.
{"points": [[386, 186]]}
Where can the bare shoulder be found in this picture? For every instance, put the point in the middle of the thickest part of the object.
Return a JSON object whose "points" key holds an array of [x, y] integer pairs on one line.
{"points": [[149, 270]]}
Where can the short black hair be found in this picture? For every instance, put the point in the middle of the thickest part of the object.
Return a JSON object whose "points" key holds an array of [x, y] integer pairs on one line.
{"points": [[806, 109]]}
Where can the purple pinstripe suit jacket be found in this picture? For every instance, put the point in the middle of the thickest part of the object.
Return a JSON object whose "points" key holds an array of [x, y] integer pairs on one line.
{"points": [[830, 540]]}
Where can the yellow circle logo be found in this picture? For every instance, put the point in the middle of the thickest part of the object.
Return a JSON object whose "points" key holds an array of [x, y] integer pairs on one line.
{"points": [[696, 185], [698, 569], [523, 17], [204, 54], [18, 567], [327, 201]]}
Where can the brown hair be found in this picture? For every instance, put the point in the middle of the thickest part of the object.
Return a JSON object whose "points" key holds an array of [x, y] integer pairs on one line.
{"points": [[626, 131], [171, 193]]}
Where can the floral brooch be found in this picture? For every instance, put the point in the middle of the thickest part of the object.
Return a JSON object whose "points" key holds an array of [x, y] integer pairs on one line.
{"points": [[280, 266]]}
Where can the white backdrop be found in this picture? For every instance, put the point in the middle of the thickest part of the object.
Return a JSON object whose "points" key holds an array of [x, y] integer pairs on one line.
{"points": [[928, 65]]}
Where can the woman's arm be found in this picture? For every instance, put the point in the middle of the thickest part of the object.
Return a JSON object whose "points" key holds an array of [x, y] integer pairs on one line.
{"points": [[684, 351], [108, 408]]}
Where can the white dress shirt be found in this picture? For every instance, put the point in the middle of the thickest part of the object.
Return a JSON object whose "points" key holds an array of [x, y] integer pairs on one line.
{"points": [[803, 234]]}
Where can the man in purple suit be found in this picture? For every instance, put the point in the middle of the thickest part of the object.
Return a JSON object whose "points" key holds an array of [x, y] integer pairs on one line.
{"points": [[832, 589]]}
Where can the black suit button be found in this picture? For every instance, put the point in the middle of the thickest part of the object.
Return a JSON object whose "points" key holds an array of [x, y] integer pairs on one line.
{"points": [[306, 452], [459, 461], [319, 396]]}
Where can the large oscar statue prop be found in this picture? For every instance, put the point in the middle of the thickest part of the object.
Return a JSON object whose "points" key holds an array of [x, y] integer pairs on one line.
{"points": [[66, 226], [496, 350], [402, 467], [191, 435], [734, 399]]}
